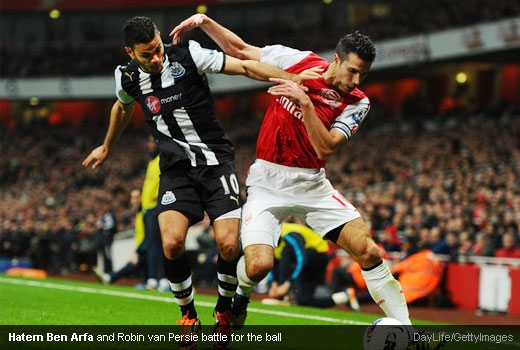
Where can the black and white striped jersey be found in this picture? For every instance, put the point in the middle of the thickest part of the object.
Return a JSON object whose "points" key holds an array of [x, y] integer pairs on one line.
{"points": [[178, 105]]}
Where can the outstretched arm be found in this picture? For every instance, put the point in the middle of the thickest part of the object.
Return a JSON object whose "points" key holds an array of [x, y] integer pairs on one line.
{"points": [[324, 142], [228, 41], [119, 117], [262, 71]]}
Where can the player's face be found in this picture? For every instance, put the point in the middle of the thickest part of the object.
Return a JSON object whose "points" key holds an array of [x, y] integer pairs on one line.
{"points": [[350, 72], [149, 56]]}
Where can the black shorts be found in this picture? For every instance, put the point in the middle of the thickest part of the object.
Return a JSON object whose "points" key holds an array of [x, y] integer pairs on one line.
{"points": [[214, 189]]}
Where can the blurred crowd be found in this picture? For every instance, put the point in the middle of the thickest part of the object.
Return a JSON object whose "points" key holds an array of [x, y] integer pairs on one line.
{"points": [[53, 210], [451, 184], [60, 53]]}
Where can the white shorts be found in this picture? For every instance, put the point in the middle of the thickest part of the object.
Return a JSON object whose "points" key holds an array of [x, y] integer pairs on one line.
{"points": [[275, 191]]}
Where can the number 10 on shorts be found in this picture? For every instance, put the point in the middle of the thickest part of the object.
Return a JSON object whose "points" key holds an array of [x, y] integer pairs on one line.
{"points": [[232, 180]]}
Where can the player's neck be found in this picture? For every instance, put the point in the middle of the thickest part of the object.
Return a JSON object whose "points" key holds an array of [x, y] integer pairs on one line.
{"points": [[328, 75]]}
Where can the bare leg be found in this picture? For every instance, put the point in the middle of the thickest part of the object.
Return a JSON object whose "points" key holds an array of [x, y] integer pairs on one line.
{"points": [[382, 286], [226, 235]]}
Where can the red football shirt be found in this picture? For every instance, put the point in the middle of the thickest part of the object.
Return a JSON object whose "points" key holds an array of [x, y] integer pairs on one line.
{"points": [[283, 138]]}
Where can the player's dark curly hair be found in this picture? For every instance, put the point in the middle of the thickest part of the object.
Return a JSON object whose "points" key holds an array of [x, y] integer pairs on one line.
{"points": [[139, 30], [357, 43]]}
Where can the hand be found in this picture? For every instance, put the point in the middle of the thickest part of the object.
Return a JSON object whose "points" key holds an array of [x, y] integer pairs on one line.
{"points": [[186, 25], [279, 291], [309, 74], [289, 89], [273, 289], [284, 289], [97, 156]]}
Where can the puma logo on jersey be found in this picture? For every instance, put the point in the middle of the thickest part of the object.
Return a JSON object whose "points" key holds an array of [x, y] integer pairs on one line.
{"points": [[235, 199], [130, 75]]}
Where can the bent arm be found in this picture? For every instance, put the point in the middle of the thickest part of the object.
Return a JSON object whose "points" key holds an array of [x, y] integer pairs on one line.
{"points": [[257, 70], [228, 41], [324, 142], [119, 117]]}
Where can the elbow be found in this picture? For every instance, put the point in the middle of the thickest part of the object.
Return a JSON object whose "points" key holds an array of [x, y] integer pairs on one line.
{"points": [[241, 51], [238, 52], [325, 152]]}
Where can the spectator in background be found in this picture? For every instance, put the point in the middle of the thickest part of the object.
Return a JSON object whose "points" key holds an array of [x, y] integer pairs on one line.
{"points": [[419, 274], [509, 248], [347, 283], [107, 228], [137, 262], [156, 277], [300, 262]]}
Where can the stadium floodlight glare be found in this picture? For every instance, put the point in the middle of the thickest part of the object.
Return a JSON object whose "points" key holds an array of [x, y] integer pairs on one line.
{"points": [[461, 77], [327, 1], [54, 13], [202, 9]]}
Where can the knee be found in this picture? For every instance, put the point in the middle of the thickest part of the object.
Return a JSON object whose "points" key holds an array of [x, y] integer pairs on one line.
{"points": [[369, 256], [228, 248], [173, 246], [257, 269]]}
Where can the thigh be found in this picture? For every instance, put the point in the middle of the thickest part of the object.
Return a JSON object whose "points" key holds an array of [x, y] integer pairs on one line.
{"points": [[226, 229], [220, 191], [259, 227], [177, 192], [329, 211], [173, 225]]}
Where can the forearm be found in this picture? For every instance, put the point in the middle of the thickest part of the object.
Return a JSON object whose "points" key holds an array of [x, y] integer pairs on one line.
{"points": [[119, 117], [228, 41], [257, 70], [321, 139]]}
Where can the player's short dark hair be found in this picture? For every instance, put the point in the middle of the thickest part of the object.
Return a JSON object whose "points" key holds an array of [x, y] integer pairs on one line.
{"points": [[139, 30], [357, 43]]}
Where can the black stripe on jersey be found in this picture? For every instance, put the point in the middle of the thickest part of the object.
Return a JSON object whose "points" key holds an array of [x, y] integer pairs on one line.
{"points": [[217, 140], [176, 132], [156, 81], [130, 79], [223, 64]]}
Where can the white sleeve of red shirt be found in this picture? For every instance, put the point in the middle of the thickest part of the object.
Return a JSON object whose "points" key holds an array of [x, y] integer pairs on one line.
{"points": [[351, 118], [281, 56], [121, 94], [206, 60]]}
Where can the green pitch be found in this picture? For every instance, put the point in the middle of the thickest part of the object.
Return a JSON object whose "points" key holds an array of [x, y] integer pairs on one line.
{"points": [[98, 315], [64, 302]]}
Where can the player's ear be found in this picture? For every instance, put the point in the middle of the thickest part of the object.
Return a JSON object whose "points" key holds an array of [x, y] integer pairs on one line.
{"points": [[336, 58], [129, 52]]}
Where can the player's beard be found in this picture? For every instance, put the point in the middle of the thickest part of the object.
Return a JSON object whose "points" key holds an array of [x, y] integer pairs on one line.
{"points": [[152, 68]]}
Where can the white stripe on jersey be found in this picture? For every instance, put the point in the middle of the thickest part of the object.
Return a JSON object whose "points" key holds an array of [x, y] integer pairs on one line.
{"points": [[145, 83], [206, 60], [351, 118], [121, 94], [163, 128], [167, 79], [282, 56], [187, 128]]}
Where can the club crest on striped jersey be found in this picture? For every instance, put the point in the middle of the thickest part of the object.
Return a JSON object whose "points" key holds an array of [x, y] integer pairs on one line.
{"points": [[168, 198], [153, 104], [331, 97], [177, 70]]}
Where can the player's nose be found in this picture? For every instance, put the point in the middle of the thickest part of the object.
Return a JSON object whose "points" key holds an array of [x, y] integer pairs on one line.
{"points": [[156, 58], [356, 81]]}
